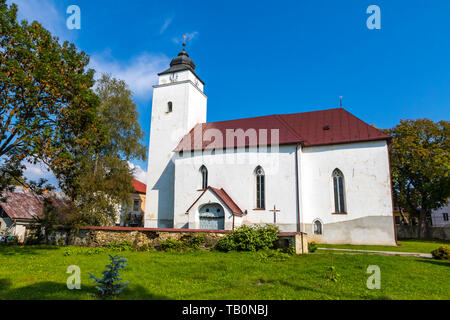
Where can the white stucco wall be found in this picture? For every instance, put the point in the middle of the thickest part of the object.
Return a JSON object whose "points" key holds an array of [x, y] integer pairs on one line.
{"points": [[235, 173], [167, 129], [367, 187]]}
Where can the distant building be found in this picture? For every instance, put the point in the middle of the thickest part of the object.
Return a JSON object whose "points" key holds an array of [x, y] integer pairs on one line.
{"points": [[133, 216], [22, 206], [18, 212], [440, 217]]}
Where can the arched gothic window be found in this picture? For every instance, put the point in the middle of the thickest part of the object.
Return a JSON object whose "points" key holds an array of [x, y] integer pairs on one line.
{"points": [[339, 196], [169, 106], [317, 227], [204, 173], [260, 188]]}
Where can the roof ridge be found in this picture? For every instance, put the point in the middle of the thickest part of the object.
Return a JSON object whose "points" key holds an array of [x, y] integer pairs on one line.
{"points": [[368, 125], [271, 115], [292, 130]]}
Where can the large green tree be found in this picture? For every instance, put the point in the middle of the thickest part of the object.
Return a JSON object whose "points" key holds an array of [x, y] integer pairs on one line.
{"points": [[48, 109], [420, 162], [106, 181]]}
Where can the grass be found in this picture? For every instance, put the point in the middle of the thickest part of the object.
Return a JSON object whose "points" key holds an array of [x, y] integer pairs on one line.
{"points": [[404, 246], [40, 273]]}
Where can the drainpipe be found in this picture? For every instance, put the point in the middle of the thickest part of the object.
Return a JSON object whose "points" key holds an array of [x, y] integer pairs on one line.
{"points": [[392, 191], [297, 194]]}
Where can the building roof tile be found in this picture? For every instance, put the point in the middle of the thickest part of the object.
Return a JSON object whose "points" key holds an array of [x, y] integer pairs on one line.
{"points": [[139, 187], [325, 127]]}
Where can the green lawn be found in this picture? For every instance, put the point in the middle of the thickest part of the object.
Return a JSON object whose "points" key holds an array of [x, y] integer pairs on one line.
{"points": [[40, 273], [404, 246]]}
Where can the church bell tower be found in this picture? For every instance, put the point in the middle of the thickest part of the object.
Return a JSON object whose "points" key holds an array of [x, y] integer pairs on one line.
{"points": [[178, 105]]}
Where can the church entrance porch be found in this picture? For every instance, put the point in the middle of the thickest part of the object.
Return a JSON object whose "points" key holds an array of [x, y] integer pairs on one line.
{"points": [[212, 217]]}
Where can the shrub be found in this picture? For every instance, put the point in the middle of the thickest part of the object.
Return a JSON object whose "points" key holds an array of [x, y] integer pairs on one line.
{"points": [[249, 238], [226, 244], [144, 247], [120, 245], [290, 250], [171, 245], [194, 241], [110, 284], [441, 253], [188, 242], [312, 246], [68, 252]]}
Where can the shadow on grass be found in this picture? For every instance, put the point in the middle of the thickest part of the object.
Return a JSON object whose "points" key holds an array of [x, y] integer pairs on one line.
{"points": [[58, 291], [437, 262], [6, 250]]}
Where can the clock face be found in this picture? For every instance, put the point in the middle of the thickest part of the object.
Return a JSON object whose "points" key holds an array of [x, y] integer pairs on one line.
{"points": [[173, 77]]}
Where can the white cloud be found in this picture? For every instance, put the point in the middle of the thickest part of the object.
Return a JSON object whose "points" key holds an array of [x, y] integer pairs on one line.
{"points": [[166, 24], [139, 173], [38, 171], [46, 13], [140, 73]]}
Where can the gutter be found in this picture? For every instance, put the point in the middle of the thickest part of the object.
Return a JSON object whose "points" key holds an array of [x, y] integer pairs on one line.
{"points": [[299, 229], [297, 173]]}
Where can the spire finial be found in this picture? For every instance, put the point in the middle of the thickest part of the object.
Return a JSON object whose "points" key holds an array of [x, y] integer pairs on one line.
{"points": [[184, 41], [340, 101]]}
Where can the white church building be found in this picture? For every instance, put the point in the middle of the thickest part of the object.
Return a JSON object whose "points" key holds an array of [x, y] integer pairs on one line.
{"points": [[324, 173]]}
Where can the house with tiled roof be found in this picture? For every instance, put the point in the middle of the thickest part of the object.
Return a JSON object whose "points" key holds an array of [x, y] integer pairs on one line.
{"points": [[21, 207], [324, 173], [132, 215]]}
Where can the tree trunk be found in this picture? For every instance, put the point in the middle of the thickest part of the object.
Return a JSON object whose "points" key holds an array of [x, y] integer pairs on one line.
{"points": [[422, 223]]}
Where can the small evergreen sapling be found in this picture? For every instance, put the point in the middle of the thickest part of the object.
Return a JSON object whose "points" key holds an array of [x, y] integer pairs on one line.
{"points": [[110, 284]]}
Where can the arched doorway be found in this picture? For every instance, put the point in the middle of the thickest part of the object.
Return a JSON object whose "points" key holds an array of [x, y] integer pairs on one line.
{"points": [[212, 217]]}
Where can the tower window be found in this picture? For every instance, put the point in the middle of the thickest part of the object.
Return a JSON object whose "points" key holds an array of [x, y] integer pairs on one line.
{"points": [[169, 106], [260, 189], [204, 173], [338, 185], [445, 216]]}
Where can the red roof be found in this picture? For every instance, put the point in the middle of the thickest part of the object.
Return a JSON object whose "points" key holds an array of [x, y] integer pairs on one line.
{"points": [[325, 127], [22, 204], [139, 186], [226, 199]]}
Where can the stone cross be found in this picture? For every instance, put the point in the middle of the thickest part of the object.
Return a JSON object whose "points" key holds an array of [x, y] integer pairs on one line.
{"points": [[275, 211]]}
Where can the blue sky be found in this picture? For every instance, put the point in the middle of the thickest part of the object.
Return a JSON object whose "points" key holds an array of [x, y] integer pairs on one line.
{"points": [[266, 57]]}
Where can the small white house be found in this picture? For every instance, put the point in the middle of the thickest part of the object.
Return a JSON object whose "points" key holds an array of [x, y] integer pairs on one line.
{"points": [[325, 173], [440, 217]]}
